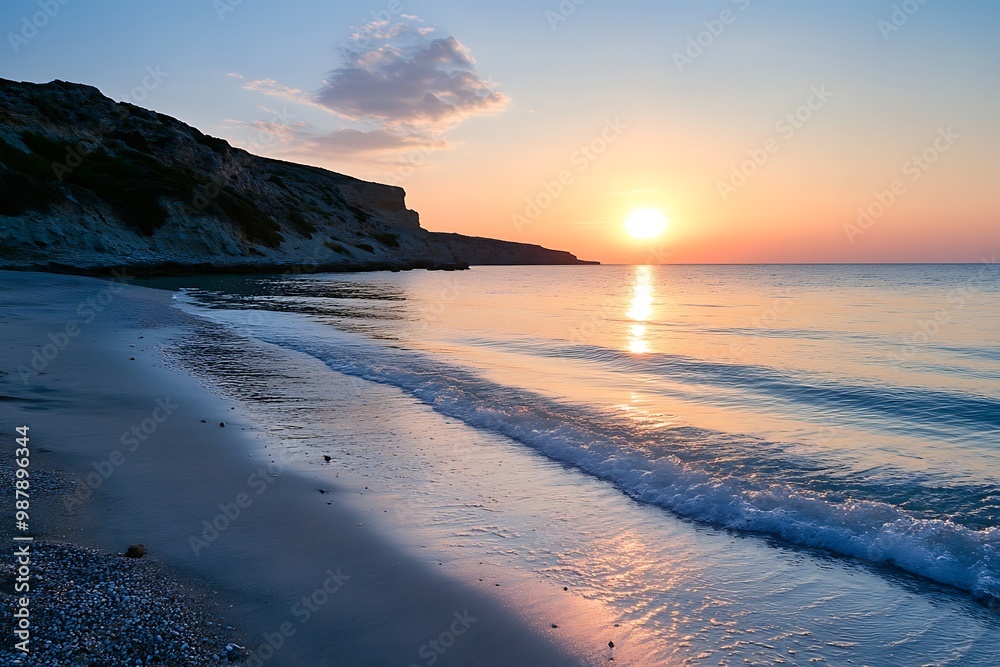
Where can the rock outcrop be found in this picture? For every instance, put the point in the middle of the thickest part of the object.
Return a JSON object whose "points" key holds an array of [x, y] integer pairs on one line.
{"points": [[88, 184]]}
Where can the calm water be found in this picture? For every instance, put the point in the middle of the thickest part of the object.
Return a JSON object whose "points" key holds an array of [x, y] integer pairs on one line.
{"points": [[803, 462]]}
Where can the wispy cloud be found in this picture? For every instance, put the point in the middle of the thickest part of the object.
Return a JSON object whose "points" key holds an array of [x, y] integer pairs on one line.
{"points": [[273, 88], [381, 146], [405, 83]]}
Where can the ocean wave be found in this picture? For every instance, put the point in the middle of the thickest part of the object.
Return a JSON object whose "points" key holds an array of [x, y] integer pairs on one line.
{"points": [[726, 480], [935, 409]]}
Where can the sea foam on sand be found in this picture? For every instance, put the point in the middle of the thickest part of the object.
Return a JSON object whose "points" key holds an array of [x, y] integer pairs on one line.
{"points": [[300, 576]]}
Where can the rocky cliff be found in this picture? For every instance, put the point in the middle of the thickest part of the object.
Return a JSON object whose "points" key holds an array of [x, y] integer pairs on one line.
{"points": [[88, 184]]}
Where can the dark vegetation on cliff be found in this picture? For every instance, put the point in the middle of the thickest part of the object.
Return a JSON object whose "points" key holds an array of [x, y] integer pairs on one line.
{"points": [[87, 181]]}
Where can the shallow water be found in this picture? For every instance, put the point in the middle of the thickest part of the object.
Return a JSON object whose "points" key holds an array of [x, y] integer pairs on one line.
{"points": [[753, 465]]}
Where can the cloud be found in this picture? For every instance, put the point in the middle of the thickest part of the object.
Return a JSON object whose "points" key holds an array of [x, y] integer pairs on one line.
{"points": [[405, 84], [403, 75], [379, 146], [275, 134], [272, 87]]}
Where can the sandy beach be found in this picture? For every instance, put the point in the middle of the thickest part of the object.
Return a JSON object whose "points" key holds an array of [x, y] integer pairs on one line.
{"points": [[147, 455], [338, 335]]}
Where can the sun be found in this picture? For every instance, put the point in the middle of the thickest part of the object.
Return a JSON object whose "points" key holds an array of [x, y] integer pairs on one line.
{"points": [[645, 223]]}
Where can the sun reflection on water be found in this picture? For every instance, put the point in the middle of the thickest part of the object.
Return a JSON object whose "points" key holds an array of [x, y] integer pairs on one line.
{"points": [[640, 310]]}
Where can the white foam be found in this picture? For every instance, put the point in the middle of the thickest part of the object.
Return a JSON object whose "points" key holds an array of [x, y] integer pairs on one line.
{"points": [[941, 550]]}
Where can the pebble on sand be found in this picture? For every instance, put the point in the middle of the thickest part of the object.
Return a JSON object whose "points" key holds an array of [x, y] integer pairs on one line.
{"points": [[108, 610], [135, 551]]}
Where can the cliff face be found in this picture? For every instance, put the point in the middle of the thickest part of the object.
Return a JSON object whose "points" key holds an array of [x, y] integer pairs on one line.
{"points": [[88, 184]]}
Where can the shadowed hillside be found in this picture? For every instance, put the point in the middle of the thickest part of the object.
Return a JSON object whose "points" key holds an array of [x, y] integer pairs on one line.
{"points": [[88, 184]]}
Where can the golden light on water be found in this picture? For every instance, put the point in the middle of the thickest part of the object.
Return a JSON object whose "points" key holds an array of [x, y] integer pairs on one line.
{"points": [[645, 223], [640, 310], [637, 343]]}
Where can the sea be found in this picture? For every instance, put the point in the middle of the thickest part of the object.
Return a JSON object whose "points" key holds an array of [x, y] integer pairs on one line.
{"points": [[746, 464]]}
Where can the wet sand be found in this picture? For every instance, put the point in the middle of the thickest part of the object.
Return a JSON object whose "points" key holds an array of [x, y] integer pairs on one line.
{"points": [[306, 581]]}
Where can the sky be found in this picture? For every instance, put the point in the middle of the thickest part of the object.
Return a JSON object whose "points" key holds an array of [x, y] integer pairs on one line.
{"points": [[760, 130]]}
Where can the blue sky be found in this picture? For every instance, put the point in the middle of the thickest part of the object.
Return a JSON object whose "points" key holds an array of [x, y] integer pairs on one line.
{"points": [[559, 82]]}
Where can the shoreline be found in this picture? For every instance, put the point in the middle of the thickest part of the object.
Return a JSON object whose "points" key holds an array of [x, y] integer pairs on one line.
{"points": [[361, 599], [128, 272]]}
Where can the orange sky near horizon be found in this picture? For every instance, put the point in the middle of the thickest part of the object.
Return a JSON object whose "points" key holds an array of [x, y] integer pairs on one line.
{"points": [[819, 201], [775, 131]]}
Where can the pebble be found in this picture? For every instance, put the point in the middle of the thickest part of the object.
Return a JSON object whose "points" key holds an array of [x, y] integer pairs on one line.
{"points": [[136, 551], [102, 609]]}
